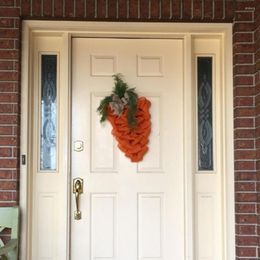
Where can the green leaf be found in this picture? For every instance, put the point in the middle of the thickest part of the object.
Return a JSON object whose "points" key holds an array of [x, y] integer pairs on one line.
{"points": [[120, 88]]}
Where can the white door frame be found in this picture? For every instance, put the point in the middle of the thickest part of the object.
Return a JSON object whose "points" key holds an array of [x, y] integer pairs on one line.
{"points": [[66, 30]]}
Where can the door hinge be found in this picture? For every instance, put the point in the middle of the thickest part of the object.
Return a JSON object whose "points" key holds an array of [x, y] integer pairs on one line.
{"points": [[23, 159]]}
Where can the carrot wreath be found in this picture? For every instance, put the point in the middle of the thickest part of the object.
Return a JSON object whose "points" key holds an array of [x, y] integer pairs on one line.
{"points": [[130, 119]]}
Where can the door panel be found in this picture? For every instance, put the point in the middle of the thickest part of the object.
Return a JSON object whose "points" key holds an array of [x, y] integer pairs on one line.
{"points": [[129, 211]]}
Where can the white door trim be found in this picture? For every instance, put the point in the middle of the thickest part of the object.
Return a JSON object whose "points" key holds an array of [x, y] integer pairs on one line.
{"points": [[68, 29]]}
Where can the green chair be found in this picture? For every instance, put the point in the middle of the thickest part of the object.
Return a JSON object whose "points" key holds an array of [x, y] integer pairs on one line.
{"points": [[9, 218]]}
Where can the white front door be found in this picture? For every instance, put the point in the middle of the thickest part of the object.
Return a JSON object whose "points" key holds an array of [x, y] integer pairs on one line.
{"points": [[129, 210]]}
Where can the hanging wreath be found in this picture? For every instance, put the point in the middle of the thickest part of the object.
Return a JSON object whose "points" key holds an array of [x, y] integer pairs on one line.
{"points": [[130, 119]]}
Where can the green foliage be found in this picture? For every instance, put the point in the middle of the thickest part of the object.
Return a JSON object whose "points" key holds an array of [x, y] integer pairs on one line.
{"points": [[122, 90]]}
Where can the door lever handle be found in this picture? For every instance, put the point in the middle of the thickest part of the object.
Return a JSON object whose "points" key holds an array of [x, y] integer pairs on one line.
{"points": [[77, 190]]}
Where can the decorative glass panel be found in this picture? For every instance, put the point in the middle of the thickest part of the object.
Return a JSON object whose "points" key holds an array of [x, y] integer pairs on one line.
{"points": [[205, 132], [48, 149]]}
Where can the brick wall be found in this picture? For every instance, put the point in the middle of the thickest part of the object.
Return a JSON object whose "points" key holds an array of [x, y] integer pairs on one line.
{"points": [[9, 102], [257, 98], [245, 17], [245, 122]]}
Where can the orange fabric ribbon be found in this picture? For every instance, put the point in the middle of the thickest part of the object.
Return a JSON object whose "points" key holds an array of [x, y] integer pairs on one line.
{"points": [[133, 142]]}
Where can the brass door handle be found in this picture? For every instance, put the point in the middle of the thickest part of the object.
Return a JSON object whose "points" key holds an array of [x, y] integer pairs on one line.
{"points": [[77, 190]]}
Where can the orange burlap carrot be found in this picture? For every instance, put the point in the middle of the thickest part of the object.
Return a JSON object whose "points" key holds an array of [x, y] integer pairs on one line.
{"points": [[133, 141]]}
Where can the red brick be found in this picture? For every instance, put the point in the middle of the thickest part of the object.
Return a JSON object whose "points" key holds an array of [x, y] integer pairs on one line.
{"points": [[229, 10], [245, 5], [5, 174], [58, 8], [69, 8], [257, 142], [101, 8], [246, 218], [47, 8], [36, 8], [246, 252], [243, 101], [26, 8], [243, 48], [187, 9], [257, 135], [246, 197], [15, 174], [208, 9], [15, 152], [244, 144], [246, 229], [6, 22], [245, 208], [8, 163], [6, 108], [197, 9], [244, 133], [155, 9], [7, 2], [243, 37], [16, 65], [18, 3], [244, 112], [90, 9], [5, 130], [244, 165], [244, 91], [8, 97], [243, 122], [176, 9], [219, 10], [8, 141], [245, 176], [8, 185], [113, 9], [80, 8], [17, 45], [8, 204], [244, 69], [9, 33], [133, 9], [257, 55], [257, 100], [144, 9], [245, 186], [243, 80], [15, 196], [166, 9], [9, 12], [5, 196], [5, 152], [18, 23], [244, 16], [6, 44], [6, 87], [122, 9], [244, 27], [8, 119], [16, 108], [257, 109], [245, 154], [9, 76], [247, 240], [6, 65], [8, 54], [243, 59], [16, 130]]}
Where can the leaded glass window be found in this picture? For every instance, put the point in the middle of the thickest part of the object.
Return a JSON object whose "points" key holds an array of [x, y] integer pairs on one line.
{"points": [[204, 108], [48, 146]]}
